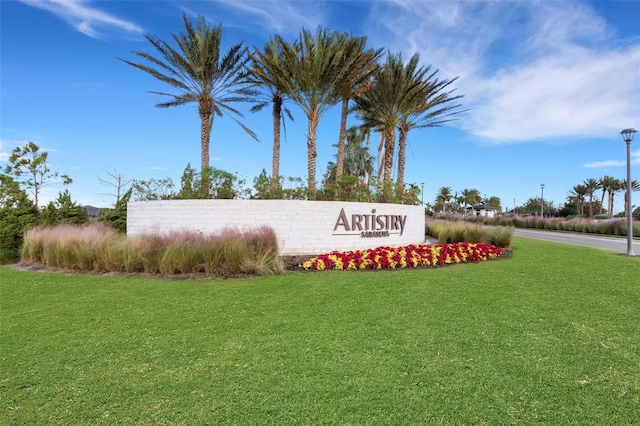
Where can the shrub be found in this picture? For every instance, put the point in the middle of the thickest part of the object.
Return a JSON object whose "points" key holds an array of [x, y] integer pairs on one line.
{"points": [[454, 232]]}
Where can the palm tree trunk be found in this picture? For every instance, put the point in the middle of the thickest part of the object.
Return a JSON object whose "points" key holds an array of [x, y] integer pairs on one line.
{"points": [[402, 156], [389, 145], [604, 191], [312, 153], [366, 172], [205, 109], [381, 158], [610, 203], [275, 161], [343, 131]]}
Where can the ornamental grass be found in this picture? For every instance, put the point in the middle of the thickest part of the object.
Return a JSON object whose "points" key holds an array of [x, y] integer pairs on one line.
{"points": [[410, 256], [98, 248]]}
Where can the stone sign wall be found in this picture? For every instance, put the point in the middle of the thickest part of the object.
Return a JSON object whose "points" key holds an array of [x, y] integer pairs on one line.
{"points": [[302, 227]]}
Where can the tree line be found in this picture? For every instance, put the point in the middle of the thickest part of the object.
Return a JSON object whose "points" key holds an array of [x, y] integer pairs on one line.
{"points": [[593, 198], [315, 72]]}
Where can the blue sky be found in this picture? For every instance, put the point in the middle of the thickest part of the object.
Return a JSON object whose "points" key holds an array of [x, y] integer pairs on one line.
{"points": [[548, 84]]}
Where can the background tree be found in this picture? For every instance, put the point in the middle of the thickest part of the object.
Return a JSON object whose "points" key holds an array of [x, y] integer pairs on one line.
{"points": [[395, 90], [442, 198], [200, 73], [578, 194], [432, 107], [359, 66], [591, 185], [470, 197], [267, 72], [313, 67], [28, 167], [358, 161], [153, 189], [117, 217], [495, 202], [615, 187], [118, 182], [532, 207], [606, 183], [17, 213], [63, 210]]}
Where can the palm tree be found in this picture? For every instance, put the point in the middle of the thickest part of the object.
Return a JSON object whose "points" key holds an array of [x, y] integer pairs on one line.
{"points": [[495, 202], [578, 192], [591, 185], [470, 197], [444, 195], [432, 108], [605, 184], [635, 186], [267, 72], [616, 186], [359, 66], [312, 70], [382, 105], [200, 74], [357, 158]]}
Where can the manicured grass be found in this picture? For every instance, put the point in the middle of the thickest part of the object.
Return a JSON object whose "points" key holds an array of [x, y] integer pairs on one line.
{"points": [[548, 336]]}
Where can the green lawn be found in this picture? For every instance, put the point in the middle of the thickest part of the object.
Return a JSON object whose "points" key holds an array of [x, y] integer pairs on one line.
{"points": [[548, 336]]}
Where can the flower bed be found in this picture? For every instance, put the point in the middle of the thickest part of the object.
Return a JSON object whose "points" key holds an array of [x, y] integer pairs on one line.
{"points": [[403, 257]]}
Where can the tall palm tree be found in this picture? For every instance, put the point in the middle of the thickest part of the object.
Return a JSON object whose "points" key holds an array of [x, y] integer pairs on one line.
{"points": [[605, 184], [616, 186], [577, 193], [433, 107], [443, 196], [392, 93], [591, 185], [359, 66], [313, 66], [267, 72], [200, 73]]}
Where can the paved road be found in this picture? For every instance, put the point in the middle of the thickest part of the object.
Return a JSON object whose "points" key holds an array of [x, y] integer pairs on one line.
{"points": [[587, 240]]}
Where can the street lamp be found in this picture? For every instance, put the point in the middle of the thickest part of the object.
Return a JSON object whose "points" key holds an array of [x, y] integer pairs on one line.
{"points": [[542, 201], [627, 135], [422, 193]]}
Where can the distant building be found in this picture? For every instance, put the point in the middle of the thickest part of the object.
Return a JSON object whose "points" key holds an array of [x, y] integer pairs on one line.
{"points": [[483, 210]]}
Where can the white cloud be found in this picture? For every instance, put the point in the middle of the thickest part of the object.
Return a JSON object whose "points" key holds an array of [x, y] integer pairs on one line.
{"points": [[635, 160], [606, 163], [276, 15], [83, 17], [584, 94], [539, 71]]}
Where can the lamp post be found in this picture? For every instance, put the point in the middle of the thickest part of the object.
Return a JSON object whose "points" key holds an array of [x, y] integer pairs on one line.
{"points": [[422, 193], [542, 200], [627, 136]]}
